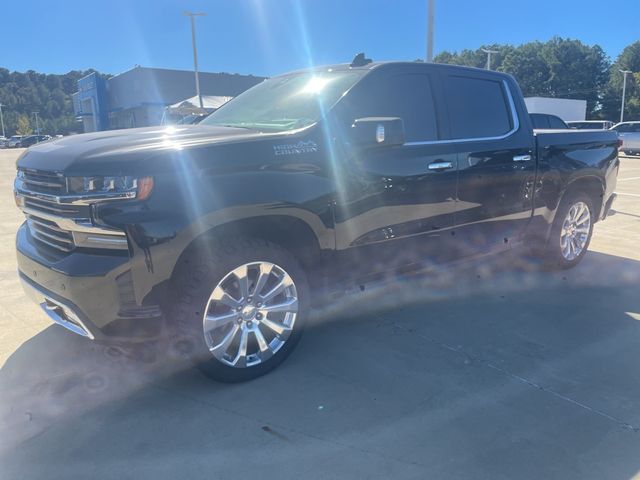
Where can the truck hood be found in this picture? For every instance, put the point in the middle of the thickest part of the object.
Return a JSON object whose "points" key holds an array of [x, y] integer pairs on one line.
{"points": [[120, 149]]}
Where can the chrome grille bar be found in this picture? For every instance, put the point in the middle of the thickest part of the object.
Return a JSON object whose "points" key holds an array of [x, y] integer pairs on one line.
{"points": [[45, 224], [42, 181], [56, 208], [50, 234], [52, 243]]}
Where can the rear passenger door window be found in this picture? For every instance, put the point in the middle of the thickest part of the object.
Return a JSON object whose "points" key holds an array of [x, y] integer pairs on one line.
{"points": [[477, 107]]}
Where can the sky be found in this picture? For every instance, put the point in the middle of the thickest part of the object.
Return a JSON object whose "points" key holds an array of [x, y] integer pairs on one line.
{"points": [[266, 37]]}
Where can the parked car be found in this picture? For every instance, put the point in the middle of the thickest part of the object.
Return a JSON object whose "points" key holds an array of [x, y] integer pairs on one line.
{"points": [[630, 135], [14, 141], [591, 125], [222, 235], [3, 142], [32, 140], [545, 121]]}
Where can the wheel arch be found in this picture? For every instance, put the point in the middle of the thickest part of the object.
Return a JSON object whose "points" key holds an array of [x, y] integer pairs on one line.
{"points": [[592, 186], [291, 233]]}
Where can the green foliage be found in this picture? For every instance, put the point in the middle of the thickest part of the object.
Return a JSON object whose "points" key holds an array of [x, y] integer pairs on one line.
{"points": [[21, 94], [23, 128], [476, 58], [530, 68], [629, 60], [559, 68]]}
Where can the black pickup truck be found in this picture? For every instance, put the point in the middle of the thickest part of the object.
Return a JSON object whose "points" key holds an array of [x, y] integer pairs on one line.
{"points": [[218, 234]]}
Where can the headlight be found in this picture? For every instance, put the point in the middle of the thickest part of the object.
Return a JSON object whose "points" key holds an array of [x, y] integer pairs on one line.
{"points": [[129, 186]]}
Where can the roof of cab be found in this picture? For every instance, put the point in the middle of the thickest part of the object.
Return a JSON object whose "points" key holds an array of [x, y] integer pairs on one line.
{"points": [[391, 64]]}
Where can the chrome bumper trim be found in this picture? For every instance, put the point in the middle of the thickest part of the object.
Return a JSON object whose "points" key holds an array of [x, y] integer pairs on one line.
{"points": [[57, 310], [72, 224]]}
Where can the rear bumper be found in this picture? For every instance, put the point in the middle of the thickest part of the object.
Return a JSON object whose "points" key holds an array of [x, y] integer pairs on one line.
{"points": [[90, 294]]}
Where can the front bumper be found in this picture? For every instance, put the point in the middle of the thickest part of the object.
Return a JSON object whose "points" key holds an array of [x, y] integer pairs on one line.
{"points": [[91, 294], [60, 311]]}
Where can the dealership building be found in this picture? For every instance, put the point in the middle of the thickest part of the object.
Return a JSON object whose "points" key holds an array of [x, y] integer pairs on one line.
{"points": [[140, 96]]}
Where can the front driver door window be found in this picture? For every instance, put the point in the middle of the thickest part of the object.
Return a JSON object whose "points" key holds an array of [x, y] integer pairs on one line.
{"points": [[392, 196]]}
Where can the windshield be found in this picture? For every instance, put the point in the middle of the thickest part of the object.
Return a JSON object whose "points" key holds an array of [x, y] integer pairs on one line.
{"points": [[285, 103]]}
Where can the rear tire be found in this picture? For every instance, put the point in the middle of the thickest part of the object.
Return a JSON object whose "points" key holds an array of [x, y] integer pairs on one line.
{"points": [[226, 318], [571, 231]]}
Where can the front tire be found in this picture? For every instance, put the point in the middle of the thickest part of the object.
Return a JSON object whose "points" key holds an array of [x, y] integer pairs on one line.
{"points": [[241, 308], [571, 231]]}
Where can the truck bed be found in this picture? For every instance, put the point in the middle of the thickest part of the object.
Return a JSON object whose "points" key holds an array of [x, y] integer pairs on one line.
{"points": [[564, 156]]}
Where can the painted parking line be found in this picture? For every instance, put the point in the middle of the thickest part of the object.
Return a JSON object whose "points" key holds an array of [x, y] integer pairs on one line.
{"points": [[627, 179]]}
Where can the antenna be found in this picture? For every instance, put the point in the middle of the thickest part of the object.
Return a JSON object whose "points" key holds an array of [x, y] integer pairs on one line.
{"points": [[360, 61]]}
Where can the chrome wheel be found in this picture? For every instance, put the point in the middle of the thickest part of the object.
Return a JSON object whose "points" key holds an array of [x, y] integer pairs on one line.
{"points": [[574, 234], [250, 314]]}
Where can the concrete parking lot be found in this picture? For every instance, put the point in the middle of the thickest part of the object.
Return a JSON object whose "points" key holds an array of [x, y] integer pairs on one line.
{"points": [[494, 370]]}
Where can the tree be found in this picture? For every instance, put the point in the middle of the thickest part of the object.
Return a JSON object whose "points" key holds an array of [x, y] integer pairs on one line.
{"points": [[24, 127], [576, 70], [22, 93], [527, 64], [561, 68], [476, 58], [629, 59]]}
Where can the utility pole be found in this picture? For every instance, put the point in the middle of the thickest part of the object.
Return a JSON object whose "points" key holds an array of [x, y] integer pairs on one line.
{"points": [[1, 119], [37, 124], [624, 91], [430, 15], [489, 52], [192, 16]]}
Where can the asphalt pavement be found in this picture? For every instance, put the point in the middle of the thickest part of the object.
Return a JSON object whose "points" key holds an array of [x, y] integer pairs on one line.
{"points": [[495, 370]]}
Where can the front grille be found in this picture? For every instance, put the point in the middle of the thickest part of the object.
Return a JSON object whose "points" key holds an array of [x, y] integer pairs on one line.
{"points": [[60, 209], [58, 220], [42, 181], [50, 234]]}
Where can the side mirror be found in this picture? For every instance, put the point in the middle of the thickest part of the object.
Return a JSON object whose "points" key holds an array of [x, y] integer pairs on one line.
{"points": [[372, 131]]}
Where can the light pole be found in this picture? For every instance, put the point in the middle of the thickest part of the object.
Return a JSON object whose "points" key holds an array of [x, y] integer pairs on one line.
{"points": [[192, 16], [1, 119], [489, 52], [430, 14], [624, 91], [37, 124]]}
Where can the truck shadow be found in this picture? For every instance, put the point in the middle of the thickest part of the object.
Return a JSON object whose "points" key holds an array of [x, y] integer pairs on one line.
{"points": [[494, 370]]}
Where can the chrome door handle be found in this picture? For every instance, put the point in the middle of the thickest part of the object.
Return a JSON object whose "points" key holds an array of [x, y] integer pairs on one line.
{"points": [[440, 165], [521, 158]]}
